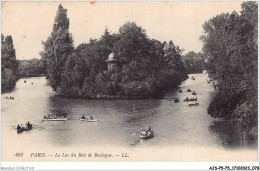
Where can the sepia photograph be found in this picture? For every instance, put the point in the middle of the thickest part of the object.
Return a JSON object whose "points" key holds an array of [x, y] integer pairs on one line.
{"points": [[93, 81]]}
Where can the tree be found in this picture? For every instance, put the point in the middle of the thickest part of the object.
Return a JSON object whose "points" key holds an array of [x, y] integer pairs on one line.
{"points": [[133, 44], [9, 65], [230, 48], [194, 62], [142, 71], [32, 67], [57, 47]]}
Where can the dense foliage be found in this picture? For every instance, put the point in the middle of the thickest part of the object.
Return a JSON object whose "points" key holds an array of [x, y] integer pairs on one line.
{"points": [[194, 62], [230, 45], [57, 48], [145, 67], [31, 68], [9, 64]]}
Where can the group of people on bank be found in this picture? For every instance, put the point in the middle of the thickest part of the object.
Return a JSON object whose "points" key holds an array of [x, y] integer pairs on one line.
{"points": [[11, 97]]}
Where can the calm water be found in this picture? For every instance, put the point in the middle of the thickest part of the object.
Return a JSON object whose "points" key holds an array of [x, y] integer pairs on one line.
{"points": [[119, 121]]}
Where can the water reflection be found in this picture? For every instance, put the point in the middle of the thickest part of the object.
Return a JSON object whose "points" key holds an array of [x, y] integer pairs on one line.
{"points": [[119, 121], [232, 135]]}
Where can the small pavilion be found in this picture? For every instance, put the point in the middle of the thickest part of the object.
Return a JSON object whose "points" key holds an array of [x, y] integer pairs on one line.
{"points": [[111, 62]]}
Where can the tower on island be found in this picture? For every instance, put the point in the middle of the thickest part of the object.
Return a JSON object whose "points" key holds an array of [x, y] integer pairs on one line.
{"points": [[111, 62]]}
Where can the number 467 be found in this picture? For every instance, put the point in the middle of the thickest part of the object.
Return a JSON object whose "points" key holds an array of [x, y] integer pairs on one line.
{"points": [[18, 154]]}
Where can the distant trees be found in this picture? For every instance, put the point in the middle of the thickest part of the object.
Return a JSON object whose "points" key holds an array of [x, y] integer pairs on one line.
{"points": [[230, 47], [57, 48], [194, 62], [12, 69], [32, 67], [9, 64], [142, 72]]}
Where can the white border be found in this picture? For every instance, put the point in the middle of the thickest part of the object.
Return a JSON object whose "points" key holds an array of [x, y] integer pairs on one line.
{"points": [[127, 165]]}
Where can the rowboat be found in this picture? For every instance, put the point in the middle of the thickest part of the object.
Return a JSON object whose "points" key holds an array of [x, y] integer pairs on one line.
{"points": [[55, 119], [91, 120], [193, 104], [88, 120], [82, 119], [21, 129], [188, 90], [147, 135], [176, 100], [191, 99]]}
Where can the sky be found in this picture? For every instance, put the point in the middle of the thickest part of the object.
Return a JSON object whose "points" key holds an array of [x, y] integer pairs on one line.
{"points": [[30, 23]]}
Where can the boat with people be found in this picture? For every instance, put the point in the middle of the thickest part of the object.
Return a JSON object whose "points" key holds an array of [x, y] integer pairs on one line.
{"points": [[190, 99], [188, 90], [26, 128], [194, 104], [176, 100], [50, 118], [209, 81], [146, 134], [83, 118], [11, 97], [90, 119]]}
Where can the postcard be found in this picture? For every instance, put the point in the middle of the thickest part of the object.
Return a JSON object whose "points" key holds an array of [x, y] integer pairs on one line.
{"points": [[129, 81]]}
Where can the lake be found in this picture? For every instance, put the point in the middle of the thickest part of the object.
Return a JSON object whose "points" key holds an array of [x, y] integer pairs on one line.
{"points": [[176, 125]]}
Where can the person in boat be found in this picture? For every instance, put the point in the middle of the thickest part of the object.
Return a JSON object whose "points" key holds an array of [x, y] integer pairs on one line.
{"points": [[28, 125], [83, 117], [18, 126], [47, 116], [91, 117], [143, 132], [148, 133], [149, 129]]}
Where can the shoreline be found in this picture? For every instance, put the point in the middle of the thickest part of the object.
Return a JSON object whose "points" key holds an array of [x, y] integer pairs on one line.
{"points": [[110, 97]]}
